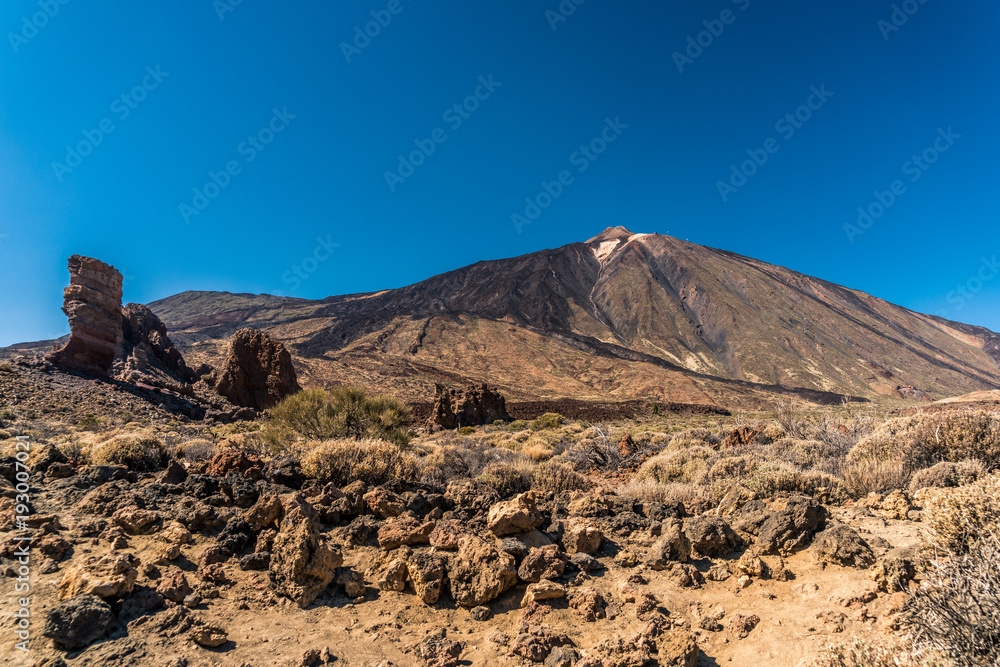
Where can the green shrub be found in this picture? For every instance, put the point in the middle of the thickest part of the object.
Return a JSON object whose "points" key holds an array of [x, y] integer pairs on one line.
{"points": [[90, 422], [547, 421], [518, 425], [343, 461], [467, 430], [343, 412], [556, 477], [141, 452]]}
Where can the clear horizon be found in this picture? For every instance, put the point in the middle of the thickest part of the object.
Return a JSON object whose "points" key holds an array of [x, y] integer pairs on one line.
{"points": [[316, 151]]}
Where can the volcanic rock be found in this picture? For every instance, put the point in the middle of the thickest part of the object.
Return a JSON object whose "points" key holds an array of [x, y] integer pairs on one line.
{"points": [[78, 622], [147, 349], [303, 563], [93, 304], [472, 407], [257, 372]]}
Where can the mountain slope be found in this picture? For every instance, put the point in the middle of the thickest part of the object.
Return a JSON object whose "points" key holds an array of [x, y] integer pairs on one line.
{"points": [[620, 315]]}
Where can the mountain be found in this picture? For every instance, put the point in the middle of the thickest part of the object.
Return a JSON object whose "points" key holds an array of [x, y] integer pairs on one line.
{"points": [[619, 316]]}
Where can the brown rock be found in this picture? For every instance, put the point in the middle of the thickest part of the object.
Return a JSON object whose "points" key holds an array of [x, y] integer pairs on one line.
{"points": [[841, 545], [229, 460], [110, 577], [673, 546], [472, 407], [543, 563], [589, 604], [741, 626], [384, 503], [479, 572], [210, 636], [543, 590], [711, 536], [427, 574], [267, 511], [93, 303], [303, 563], [578, 536], [447, 534], [135, 520], [894, 571], [257, 372], [396, 532], [514, 516], [146, 349], [174, 586]]}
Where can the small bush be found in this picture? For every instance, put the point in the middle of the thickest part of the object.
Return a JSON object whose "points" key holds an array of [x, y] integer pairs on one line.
{"points": [[956, 612], [958, 517], [872, 475], [7, 415], [343, 461], [774, 478], [948, 475], [467, 430], [140, 452], [556, 477], [89, 422], [518, 425], [509, 479], [651, 491], [547, 421], [863, 652], [687, 466], [343, 412], [923, 440], [196, 450]]}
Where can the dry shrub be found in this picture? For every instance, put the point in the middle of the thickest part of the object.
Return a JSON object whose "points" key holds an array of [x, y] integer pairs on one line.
{"points": [[802, 453], [693, 437], [343, 461], [774, 478], [925, 439], [651, 491], [198, 449], [872, 475], [732, 468], [956, 612], [141, 452], [342, 412], [948, 475], [557, 477], [508, 478], [958, 517], [686, 466]]}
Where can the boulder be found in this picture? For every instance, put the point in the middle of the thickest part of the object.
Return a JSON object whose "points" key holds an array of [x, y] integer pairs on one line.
{"points": [[384, 503], [479, 572], [841, 545], [147, 350], [303, 563], [711, 536], [514, 516], [78, 622], [473, 406], [174, 586], [672, 546], [543, 590], [257, 371], [894, 571], [578, 536], [111, 577], [404, 529], [93, 304], [543, 563], [427, 573], [787, 528]]}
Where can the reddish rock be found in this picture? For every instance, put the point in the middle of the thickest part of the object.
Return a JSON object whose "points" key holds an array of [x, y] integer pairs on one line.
{"points": [[257, 372], [229, 460], [93, 304], [146, 348], [473, 406]]}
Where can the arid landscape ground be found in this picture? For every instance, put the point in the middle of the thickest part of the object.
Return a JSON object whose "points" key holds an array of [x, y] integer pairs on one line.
{"points": [[606, 507]]}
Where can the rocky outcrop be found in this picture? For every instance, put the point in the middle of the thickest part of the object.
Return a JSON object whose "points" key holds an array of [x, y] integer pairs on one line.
{"points": [[303, 562], [472, 407], [93, 304], [146, 349], [78, 622], [257, 372]]}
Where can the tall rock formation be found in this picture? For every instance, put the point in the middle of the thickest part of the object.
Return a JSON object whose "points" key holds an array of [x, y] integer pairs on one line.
{"points": [[472, 407], [93, 304], [147, 349], [257, 372]]}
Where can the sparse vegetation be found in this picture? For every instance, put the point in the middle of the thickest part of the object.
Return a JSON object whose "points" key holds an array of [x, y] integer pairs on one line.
{"points": [[141, 452], [346, 460], [547, 421], [342, 412]]}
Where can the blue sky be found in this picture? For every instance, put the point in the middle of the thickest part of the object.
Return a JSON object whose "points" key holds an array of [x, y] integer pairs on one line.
{"points": [[300, 131]]}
